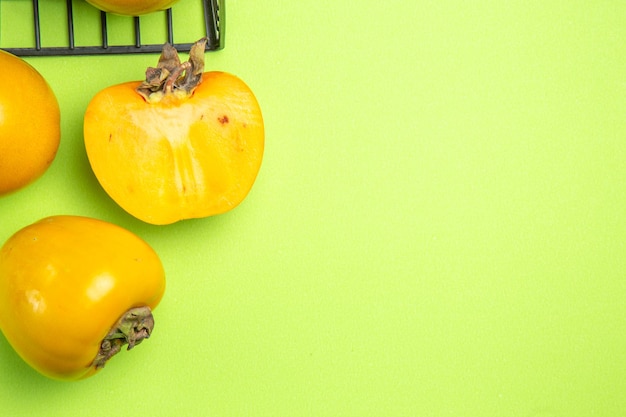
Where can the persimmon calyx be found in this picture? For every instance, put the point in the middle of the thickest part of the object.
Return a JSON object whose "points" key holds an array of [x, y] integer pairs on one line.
{"points": [[132, 328], [171, 77]]}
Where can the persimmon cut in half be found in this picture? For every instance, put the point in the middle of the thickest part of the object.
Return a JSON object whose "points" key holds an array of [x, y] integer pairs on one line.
{"points": [[182, 144]]}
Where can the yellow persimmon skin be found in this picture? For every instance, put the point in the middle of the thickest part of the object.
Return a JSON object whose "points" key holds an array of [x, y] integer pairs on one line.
{"points": [[180, 157], [30, 127], [132, 7], [64, 282]]}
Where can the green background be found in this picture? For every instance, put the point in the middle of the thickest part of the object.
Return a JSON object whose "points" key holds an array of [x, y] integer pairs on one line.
{"points": [[437, 229]]}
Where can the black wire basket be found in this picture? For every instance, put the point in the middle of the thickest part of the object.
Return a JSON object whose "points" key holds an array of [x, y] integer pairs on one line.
{"points": [[213, 15]]}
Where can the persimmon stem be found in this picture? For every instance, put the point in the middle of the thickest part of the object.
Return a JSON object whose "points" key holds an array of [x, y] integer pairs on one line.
{"points": [[174, 75], [167, 77], [132, 328]]}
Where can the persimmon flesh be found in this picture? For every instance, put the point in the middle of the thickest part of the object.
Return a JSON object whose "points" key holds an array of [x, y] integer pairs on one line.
{"points": [[171, 154]]}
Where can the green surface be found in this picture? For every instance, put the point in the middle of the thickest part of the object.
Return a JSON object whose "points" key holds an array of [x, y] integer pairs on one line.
{"points": [[437, 229]]}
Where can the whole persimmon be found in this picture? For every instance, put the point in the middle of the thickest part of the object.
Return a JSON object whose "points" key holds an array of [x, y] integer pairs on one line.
{"points": [[30, 124], [182, 144], [132, 7], [74, 290]]}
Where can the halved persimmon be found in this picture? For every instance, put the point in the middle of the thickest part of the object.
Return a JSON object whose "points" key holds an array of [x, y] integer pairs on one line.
{"points": [[182, 144]]}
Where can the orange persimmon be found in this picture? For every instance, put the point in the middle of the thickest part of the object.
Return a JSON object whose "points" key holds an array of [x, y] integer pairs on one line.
{"points": [[30, 124], [132, 7], [182, 144], [75, 290]]}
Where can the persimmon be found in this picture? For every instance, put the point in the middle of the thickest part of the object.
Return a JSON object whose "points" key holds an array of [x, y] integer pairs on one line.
{"points": [[132, 7], [30, 124], [182, 144], [74, 290]]}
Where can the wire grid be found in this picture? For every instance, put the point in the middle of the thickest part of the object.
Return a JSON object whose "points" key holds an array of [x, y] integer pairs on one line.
{"points": [[213, 11]]}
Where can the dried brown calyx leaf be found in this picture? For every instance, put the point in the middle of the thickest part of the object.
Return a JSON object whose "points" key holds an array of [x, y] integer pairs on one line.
{"points": [[172, 76], [132, 328]]}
